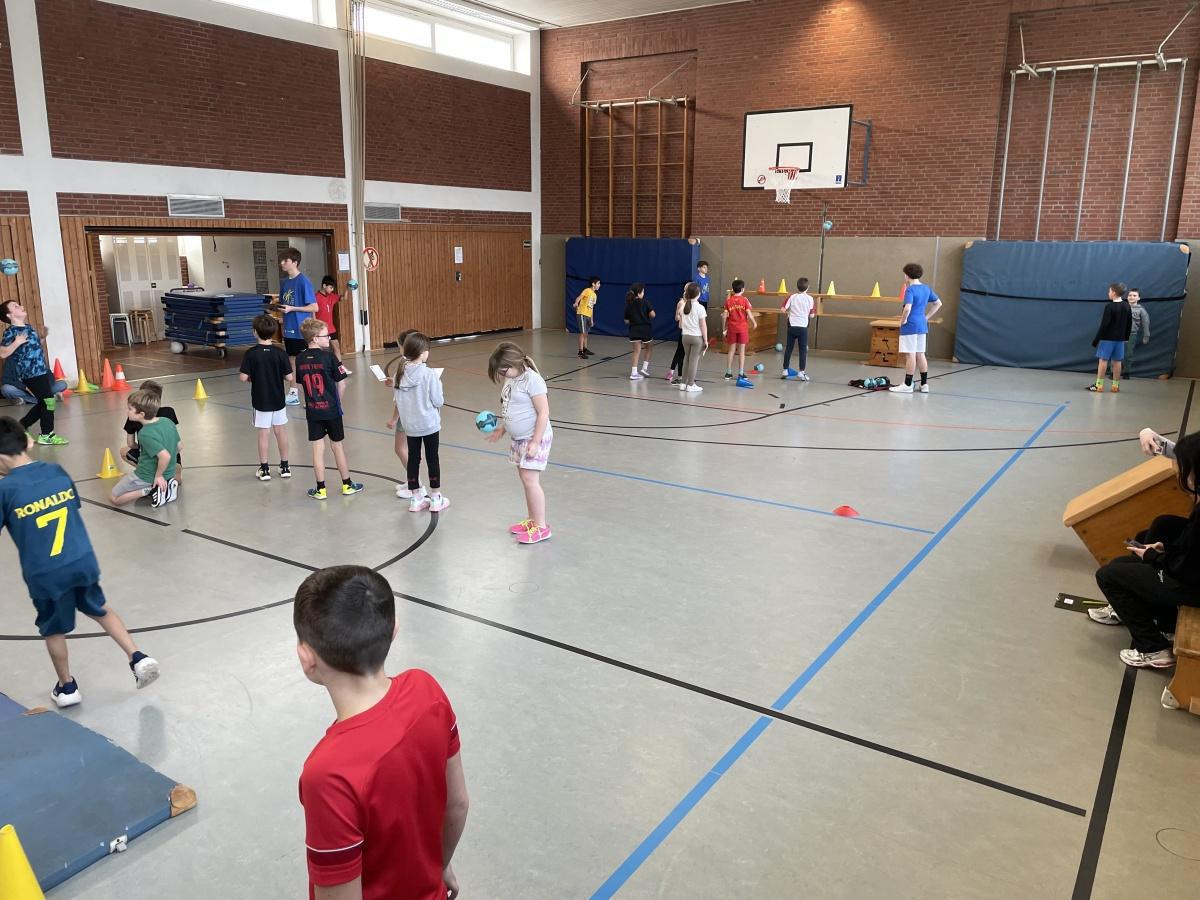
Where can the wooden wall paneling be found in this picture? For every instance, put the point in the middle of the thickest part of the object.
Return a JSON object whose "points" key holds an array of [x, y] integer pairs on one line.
{"points": [[16, 242]]}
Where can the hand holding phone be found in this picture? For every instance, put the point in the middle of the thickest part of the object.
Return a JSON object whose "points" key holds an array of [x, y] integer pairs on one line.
{"points": [[1135, 545]]}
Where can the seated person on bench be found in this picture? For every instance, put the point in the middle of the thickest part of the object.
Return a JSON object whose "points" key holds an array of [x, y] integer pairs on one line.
{"points": [[1145, 589], [14, 389]]}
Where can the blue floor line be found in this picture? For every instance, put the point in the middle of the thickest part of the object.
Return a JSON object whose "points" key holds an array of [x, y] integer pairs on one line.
{"points": [[645, 480], [654, 839]]}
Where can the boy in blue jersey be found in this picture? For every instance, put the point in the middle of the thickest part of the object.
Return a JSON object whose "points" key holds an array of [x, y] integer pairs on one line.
{"points": [[40, 508], [920, 304], [21, 345], [298, 301]]}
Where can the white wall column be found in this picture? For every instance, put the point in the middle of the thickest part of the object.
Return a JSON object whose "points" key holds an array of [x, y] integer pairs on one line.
{"points": [[38, 181], [535, 171]]}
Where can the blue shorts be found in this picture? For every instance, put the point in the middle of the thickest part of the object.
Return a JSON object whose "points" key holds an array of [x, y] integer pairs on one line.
{"points": [[58, 616], [1111, 350]]}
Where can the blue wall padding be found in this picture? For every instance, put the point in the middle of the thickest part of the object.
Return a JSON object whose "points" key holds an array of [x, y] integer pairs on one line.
{"points": [[69, 791], [664, 265], [1037, 304]]}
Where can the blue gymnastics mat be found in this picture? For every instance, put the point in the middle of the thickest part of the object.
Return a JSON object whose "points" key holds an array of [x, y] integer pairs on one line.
{"points": [[73, 795]]}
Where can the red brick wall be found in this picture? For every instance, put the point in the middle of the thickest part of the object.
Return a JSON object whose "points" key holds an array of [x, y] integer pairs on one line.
{"points": [[463, 217], [10, 125], [429, 128], [134, 86], [135, 205], [14, 203], [931, 76], [1100, 30]]}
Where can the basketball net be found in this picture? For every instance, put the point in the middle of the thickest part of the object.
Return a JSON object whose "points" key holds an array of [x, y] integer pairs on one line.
{"points": [[782, 179]]}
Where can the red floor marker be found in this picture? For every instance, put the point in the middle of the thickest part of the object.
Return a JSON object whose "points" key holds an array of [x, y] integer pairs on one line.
{"points": [[848, 511]]}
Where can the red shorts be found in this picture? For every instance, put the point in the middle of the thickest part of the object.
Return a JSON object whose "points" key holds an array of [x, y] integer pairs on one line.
{"points": [[737, 335]]}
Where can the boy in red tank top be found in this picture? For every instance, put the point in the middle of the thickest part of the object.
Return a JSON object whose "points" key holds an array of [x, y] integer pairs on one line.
{"points": [[384, 797]]}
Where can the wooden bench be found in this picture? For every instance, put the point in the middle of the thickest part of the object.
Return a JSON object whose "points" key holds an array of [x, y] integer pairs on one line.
{"points": [[1106, 515], [1184, 690]]}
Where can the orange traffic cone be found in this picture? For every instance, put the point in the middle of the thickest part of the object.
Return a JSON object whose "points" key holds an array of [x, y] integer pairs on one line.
{"points": [[106, 377], [120, 383], [762, 285], [59, 374], [67, 393]]}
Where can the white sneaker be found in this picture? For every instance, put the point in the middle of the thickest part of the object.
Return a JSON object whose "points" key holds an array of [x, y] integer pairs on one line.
{"points": [[172, 490], [145, 671], [801, 376], [404, 493], [418, 503], [925, 388], [1161, 659], [682, 386], [347, 371], [62, 698], [645, 371], [1105, 615], [901, 389], [293, 397], [636, 376], [694, 389], [438, 503]]}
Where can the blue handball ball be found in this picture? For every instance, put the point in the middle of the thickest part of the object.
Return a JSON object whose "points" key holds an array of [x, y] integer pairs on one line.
{"points": [[486, 422], [760, 368], [9, 266], [779, 348], [352, 284]]}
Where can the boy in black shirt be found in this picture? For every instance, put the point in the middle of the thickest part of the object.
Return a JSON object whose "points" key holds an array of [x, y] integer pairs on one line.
{"points": [[267, 367], [132, 451], [322, 377], [1115, 325]]}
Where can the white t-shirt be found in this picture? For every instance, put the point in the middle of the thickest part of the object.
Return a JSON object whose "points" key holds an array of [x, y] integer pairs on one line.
{"points": [[516, 404], [799, 307], [689, 323]]}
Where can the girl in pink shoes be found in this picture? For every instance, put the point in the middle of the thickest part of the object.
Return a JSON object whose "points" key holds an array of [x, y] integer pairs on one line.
{"points": [[525, 411], [419, 404]]}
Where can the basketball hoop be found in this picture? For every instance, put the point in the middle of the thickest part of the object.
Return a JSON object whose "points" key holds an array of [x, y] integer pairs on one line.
{"points": [[782, 179]]}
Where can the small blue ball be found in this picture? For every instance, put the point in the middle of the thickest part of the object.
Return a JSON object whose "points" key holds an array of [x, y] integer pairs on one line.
{"points": [[486, 422], [760, 368], [352, 284], [9, 266]]}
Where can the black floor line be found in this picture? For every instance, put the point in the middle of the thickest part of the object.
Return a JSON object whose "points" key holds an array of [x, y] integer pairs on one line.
{"points": [[589, 654], [754, 707], [1085, 878], [124, 512], [415, 546], [1187, 408], [598, 362]]}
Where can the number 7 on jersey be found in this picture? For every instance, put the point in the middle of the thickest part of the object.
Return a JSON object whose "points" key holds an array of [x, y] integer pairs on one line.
{"points": [[59, 517]]}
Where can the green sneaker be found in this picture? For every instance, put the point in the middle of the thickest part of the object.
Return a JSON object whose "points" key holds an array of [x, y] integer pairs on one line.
{"points": [[52, 440]]}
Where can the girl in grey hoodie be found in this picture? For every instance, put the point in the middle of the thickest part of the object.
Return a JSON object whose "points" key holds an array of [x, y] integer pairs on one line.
{"points": [[419, 402]]}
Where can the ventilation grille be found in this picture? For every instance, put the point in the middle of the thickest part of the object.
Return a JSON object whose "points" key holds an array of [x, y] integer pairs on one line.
{"points": [[382, 212], [195, 207]]}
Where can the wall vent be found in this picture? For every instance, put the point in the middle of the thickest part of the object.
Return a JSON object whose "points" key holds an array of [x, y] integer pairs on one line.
{"points": [[382, 212], [191, 206]]}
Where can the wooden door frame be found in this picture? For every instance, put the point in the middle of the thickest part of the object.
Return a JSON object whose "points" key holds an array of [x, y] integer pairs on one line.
{"points": [[82, 269]]}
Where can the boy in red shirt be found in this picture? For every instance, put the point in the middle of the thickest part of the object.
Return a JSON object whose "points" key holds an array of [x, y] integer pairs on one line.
{"points": [[736, 329], [384, 797], [327, 299]]}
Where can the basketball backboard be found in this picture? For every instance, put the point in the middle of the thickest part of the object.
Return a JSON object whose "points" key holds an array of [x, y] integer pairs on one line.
{"points": [[816, 141]]}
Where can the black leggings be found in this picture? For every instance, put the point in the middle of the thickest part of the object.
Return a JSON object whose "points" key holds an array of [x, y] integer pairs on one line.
{"points": [[432, 463], [677, 359], [1147, 603], [42, 387]]}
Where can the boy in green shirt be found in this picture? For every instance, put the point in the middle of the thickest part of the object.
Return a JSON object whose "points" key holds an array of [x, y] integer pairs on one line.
{"points": [[154, 475]]}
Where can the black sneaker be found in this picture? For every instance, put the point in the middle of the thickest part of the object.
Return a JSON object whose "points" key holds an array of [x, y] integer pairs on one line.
{"points": [[587, 352], [581, 355], [285, 471], [158, 497], [263, 473]]}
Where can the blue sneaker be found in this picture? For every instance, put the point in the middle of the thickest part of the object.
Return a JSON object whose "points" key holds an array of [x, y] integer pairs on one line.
{"points": [[744, 382]]}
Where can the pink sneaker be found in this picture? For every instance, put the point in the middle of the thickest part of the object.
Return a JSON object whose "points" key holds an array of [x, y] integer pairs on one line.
{"points": [[534, 535], [521, 527], [671, 376]]}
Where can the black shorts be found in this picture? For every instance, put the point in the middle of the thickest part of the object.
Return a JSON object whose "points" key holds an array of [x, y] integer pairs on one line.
{"points": [[294, 346], [319, 428]]}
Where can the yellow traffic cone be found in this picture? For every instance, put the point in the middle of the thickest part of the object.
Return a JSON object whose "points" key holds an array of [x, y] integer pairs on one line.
{"points": [[831, 292], [84, 387], [15, 872], [108, 468], [200, 394], [783, 286], [875, 290]]}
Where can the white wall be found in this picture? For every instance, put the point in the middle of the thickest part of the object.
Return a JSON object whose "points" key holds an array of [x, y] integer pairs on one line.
{"points": [[40, 175]]}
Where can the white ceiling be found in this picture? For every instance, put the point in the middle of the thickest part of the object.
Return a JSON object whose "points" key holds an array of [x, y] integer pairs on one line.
{"points": [[563, 13]]}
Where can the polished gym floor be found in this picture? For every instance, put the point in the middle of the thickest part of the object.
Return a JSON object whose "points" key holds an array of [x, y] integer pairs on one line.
{"points": [[706, 685]]}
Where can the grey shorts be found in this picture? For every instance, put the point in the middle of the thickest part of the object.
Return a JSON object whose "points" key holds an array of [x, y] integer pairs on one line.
{"points": [[585, 324], [128, 484]]}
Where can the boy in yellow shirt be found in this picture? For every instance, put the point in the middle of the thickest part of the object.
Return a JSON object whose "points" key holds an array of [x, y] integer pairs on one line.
{"points": [[584, 304]]}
